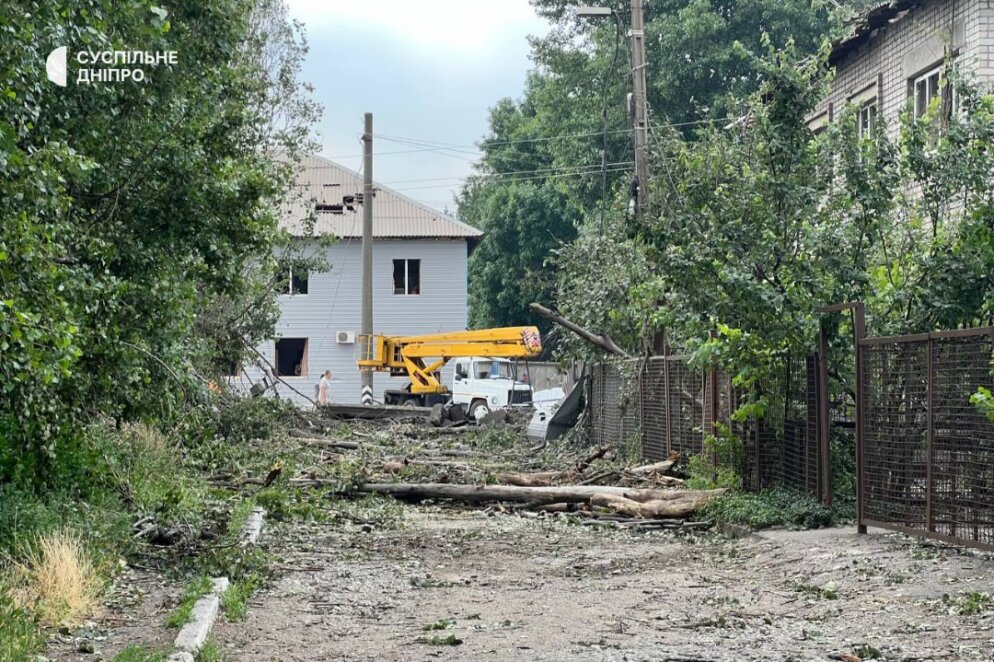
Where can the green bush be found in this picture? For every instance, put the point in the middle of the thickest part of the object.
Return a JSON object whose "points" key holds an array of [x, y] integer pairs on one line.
{"points": [[777, 507], [719, 465]]}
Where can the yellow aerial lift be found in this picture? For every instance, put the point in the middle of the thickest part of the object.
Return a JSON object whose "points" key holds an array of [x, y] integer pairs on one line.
{"points": [[408, 356]]}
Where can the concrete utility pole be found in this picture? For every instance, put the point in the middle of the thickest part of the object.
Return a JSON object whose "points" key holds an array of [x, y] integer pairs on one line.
{"points": [[367, 255], [640, 115]]}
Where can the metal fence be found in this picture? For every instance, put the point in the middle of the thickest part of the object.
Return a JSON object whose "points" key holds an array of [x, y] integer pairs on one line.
{"points": [[927, 454], [668, 407]]}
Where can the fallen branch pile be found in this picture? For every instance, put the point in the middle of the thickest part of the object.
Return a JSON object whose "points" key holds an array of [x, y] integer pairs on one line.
{"points": [[414, 462]]}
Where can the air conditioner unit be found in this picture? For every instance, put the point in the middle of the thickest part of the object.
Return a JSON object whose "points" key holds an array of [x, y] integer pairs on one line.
{"points": [[345, 338]]}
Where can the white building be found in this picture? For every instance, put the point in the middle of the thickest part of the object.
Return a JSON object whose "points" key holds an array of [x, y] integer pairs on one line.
{"points": [[419, 284]]}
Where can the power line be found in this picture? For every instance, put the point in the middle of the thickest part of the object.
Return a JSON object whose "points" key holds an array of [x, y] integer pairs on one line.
{"points": [[502, 175], [593, 171]]}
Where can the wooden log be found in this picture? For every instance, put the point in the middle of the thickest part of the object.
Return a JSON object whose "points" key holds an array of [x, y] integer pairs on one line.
{"points": [[656, 508], [539, 479], [537, 495], [656, 467]]}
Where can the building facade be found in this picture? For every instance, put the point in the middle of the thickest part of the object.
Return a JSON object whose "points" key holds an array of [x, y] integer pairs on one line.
{"points": [[896, 55], [419, 284]]}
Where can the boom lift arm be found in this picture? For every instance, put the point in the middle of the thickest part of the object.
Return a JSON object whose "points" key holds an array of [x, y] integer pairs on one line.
{"points": [[406, 355]]}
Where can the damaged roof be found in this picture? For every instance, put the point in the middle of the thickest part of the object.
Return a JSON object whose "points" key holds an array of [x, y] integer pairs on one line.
{"points": [[335, 194], [867, 23]]}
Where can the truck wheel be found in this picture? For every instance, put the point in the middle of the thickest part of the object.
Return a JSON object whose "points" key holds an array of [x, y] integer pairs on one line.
{"points": [[478, 409], [410, 402]]}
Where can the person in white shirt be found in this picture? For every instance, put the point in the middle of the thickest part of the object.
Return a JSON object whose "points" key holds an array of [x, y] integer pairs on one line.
{"points": [[324, 388]]}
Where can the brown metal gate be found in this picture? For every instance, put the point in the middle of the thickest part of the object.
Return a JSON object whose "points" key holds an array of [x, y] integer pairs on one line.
{"points": [[926, 454]]}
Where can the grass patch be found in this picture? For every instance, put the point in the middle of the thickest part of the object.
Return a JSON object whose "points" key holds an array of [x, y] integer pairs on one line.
{"points": [[20, 635], [135, 653], [211, 652], [438, 640], [969, 604], [441, 624], [195, 590], [56, 580], [827, 592], [777, 507], [235, 599]]}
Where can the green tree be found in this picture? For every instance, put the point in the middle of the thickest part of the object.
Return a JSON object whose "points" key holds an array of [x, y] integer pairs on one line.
{"points": [[129, 206]]}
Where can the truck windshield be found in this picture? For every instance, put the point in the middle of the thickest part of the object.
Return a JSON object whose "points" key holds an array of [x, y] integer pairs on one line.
{"points": [[495, 370]]}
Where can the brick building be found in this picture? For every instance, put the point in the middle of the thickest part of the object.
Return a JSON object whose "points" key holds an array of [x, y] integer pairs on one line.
{"points": [[894, 58]]}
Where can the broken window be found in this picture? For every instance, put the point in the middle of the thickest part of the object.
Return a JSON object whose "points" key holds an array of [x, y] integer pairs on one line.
{"points": [[291, 281], [291, 357], [407, 276]]}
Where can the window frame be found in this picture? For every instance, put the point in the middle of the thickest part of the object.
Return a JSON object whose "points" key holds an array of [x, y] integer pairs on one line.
{"points": [[872, 111], [288, 290], [944, 90], [303, 358], [406, 290]]}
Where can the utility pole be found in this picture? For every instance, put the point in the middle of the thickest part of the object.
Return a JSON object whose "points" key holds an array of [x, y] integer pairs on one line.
{"points": [[367, 256], [640, 111]]}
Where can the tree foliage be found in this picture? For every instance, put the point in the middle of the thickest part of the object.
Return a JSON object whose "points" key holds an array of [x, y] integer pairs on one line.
{"points": [[130, 207], [751, 228], [573, 116]]}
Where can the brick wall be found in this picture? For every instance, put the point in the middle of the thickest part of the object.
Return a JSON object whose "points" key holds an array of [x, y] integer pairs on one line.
{"points": [[884, 65]]}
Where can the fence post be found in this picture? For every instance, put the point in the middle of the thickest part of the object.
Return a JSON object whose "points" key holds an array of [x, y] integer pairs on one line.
{"points": [[859, 331], [666, 403], [824, 417], [929, 434]]}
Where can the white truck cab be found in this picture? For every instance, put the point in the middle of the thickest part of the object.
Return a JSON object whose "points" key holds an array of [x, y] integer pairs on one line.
{"points": [[482, 384]]}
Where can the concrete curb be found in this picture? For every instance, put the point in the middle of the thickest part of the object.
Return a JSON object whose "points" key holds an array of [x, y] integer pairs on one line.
{"points": [[253, 527], [193, 635]]}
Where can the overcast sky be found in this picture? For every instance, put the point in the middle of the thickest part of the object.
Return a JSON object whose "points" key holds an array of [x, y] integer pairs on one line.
{"points": [[426, 69]]}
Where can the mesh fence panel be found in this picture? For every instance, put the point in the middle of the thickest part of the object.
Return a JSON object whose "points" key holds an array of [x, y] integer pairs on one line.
{"points": [[894, 446], [962, 454], [685, 406], [654, 411], [614, 409], [928, 453], [675, 406]]}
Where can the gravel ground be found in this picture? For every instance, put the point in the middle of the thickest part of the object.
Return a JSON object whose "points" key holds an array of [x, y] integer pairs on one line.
{"points": [[515, 588]]}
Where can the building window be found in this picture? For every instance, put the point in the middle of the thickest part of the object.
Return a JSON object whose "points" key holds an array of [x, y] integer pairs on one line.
{"points": [[930, 85], [291, 357], [867, 119], [407, 276], [292, 281]]}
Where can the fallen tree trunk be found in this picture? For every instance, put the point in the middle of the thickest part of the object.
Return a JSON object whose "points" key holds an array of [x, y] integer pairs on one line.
{"points": [[602, 341], [537, 495], [657, 467], [656, 508], [540, 479]]}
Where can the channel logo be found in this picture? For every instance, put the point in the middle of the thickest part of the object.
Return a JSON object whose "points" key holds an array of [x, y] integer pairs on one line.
{"points": [[55, 66]]}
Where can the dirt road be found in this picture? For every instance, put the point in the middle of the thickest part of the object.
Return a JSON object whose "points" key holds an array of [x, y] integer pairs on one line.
{"points": [[505, 587]]}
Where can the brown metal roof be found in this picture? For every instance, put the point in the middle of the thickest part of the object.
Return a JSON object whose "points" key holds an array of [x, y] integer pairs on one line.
{"points": [[868, 22], [326, 183]]}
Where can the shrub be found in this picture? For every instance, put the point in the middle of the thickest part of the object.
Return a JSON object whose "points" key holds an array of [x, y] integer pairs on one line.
{"points": [[775, 507]]}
